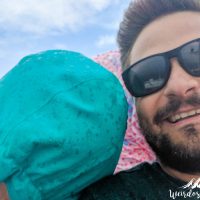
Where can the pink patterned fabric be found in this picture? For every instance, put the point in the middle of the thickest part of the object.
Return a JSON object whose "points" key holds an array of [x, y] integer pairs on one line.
{"points": [[135, 148]]}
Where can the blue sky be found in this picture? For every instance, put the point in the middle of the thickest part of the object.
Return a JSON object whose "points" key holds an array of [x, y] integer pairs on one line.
{"points": [[30, 26]]}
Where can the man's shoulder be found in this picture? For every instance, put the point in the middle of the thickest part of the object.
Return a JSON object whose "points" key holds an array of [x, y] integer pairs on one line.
{"points": [[142, 168], [131, 184], [140, 172]]}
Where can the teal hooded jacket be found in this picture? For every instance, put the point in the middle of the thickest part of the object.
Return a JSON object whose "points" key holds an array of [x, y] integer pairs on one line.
{"points": [[62, 124]]}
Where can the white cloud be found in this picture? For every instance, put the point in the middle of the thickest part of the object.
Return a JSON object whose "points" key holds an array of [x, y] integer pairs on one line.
{"points": [[39, 17], [106, 40], [29, 26]]}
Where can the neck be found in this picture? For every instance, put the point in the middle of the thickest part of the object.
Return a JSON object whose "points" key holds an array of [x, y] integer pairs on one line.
{"points": [[179, 175]]}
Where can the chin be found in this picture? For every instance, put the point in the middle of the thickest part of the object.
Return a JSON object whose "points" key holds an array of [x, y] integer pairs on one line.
{"points": [[183, 156], [179, 150]]}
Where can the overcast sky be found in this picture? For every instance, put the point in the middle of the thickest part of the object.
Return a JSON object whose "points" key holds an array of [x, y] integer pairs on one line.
{"points": [[30, 26]]}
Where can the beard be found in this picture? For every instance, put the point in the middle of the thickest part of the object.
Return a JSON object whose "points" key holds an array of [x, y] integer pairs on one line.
{"points": [[181, 156]]}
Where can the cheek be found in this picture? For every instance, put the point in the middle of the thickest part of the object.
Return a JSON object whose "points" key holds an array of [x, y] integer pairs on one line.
{"points": [[148, 106]]}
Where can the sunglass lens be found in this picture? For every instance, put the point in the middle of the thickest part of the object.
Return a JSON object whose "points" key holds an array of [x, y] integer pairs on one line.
{"points": [[190, 58], [148, 76]]}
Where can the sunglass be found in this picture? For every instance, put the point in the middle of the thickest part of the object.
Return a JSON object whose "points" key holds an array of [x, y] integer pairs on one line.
{"points": [[150, 74]]}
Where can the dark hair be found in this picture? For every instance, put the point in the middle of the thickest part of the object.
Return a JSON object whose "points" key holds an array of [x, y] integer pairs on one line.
{"points": [[142, 12]]}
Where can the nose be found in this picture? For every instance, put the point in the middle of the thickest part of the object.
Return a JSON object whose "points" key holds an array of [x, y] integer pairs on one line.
{"points": [[180, 83]]}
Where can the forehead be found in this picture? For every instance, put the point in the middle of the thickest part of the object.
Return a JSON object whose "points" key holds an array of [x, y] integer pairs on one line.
{"points": [[166, 33]]}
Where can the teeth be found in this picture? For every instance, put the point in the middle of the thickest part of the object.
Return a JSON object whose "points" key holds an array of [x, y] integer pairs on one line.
{"points": [[191, 113], [198, 111], [184, 115]]}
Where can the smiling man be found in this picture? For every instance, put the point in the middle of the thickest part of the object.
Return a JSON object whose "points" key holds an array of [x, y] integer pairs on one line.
{"points": [[160, 53]]}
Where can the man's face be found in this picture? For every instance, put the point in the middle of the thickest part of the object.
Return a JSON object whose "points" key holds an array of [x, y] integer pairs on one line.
{"points": [[177, 145]]}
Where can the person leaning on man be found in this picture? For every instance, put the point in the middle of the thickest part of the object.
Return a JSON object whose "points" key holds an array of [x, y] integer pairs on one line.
{"points": [[159, 43]]}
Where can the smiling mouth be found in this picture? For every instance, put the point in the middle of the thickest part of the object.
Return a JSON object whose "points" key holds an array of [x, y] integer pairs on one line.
{"points": [[184, 115]]}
